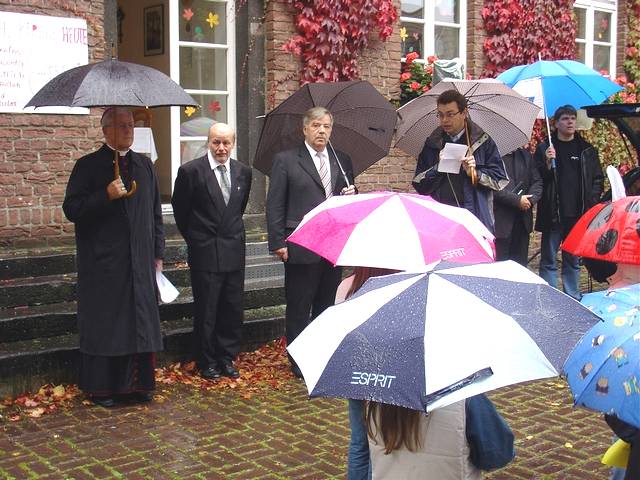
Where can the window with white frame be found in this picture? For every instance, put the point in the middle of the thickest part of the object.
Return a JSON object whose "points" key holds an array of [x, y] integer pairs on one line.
{"points": [[596, 34], [206, 69], [434, 27]]}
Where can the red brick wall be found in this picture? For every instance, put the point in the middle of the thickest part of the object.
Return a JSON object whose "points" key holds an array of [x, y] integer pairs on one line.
{"points": [[37, 152], [476, 35], [621, 37]]}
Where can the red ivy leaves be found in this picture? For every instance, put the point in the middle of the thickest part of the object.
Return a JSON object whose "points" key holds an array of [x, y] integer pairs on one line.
{"points": [[332, 34], [518, 31]]}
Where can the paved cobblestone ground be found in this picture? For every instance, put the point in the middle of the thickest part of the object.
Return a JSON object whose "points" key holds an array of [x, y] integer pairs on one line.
{"points": [[188, 433]]}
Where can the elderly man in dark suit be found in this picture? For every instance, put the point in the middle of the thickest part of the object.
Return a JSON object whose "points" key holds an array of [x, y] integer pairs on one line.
{"points": [[301, 179], [120, 246], [209, 198], [513, 206]]}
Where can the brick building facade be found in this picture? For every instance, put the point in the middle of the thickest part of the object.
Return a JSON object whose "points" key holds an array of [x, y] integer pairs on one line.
{"points": [[37, 152]]}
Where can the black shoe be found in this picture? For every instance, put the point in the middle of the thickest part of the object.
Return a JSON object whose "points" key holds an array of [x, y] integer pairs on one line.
{"points": [[212, 372], [228, 370], [105, 402], [142, 397]]}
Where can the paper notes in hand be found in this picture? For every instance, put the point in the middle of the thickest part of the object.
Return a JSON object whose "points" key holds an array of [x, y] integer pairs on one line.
{"points": [[451, 157]]}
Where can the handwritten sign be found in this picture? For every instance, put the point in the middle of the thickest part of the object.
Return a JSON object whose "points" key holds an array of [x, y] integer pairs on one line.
{"points": [[33, 50]]}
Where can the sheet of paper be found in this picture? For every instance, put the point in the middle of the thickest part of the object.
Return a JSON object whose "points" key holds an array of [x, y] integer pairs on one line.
{"points": [[168, 293], [451, 157]]}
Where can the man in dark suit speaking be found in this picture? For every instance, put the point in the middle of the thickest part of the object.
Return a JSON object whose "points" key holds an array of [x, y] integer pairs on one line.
{"points": [[301, 179], [209, 198]]}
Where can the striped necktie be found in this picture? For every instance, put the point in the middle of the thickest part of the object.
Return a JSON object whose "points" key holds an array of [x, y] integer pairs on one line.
{"points": [[224, 183], [325, 176]]}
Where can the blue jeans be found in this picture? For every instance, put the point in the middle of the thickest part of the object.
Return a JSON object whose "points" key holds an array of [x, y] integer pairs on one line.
{"points": [[359, 463], [549, 265]]}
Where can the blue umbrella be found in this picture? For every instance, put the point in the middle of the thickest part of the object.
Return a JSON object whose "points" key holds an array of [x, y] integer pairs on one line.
{"points": [[425, 340], [560, 82], [604, 368]]}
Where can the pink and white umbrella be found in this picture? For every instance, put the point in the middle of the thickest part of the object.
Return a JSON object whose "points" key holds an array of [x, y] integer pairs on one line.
{"points": [[400, 231]]}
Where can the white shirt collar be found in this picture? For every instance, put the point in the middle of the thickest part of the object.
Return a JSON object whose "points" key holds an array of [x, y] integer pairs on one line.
{"points": [[122, 153], [455, 138], [313, 152], [213, 163]]}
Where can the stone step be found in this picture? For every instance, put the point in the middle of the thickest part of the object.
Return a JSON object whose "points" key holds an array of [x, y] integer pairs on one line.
{"points": [[62, 288], [26, 365], [60, 260], [49, 320]]}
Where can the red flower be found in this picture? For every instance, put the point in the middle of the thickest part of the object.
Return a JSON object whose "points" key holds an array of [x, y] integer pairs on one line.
{"points": [[631, 51], [411, 57], [214, 106], [414, 85], [425, 88], [428, 69], [432, 58], [405, 76]]}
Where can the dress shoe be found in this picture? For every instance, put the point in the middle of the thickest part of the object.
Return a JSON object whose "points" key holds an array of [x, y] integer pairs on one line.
{"points": [[228, 370], [212, 372], [142, 397], [105, 402]]}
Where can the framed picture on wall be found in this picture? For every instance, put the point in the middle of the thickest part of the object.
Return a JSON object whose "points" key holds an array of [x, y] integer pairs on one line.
{"points": [[154, 30]]}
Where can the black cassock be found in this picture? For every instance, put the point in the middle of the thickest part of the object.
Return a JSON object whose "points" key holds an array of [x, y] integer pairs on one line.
{"points": [[117, 243]]}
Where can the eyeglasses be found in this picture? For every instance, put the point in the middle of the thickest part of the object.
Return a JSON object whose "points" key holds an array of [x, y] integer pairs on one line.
{"points": [[448, 115]]}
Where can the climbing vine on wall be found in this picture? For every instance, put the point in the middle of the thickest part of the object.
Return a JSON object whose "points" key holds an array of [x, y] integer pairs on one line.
{"points": [[332, 33], [518, 31], [632, 51]]}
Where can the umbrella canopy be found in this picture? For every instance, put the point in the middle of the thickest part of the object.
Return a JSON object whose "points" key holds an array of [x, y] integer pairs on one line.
{"points": [[506, 116], [558, 83], [604, 368], [399, 231], [608, 231], [111, 83], [425, 340], [363, 123]]}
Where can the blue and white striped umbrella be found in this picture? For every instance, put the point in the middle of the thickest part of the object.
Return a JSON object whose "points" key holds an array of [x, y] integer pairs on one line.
{"points": [[426, 340]]}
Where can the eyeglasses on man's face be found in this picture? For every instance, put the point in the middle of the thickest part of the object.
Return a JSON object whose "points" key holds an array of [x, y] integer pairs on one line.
{"points": [[447, 115]]}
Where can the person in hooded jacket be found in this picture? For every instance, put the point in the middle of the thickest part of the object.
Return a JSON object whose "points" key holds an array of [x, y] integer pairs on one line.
{"points": [[458, 189]]}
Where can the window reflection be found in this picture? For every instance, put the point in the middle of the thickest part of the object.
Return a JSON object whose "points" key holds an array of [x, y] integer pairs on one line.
{"points": [[446, 11], [446, 42], [412, 8], [602, 26], [203, 68], [581, 21]]}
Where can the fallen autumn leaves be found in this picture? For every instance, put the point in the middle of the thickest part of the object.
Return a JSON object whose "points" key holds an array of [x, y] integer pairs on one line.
{"points": [[264, 368]]}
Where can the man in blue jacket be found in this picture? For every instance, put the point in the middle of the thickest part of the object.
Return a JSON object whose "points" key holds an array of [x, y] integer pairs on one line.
{"points": [[457, 189]]}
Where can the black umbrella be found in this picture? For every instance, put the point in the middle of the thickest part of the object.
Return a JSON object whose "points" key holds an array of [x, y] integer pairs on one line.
{"points": [[363, 123], [112, 83]]}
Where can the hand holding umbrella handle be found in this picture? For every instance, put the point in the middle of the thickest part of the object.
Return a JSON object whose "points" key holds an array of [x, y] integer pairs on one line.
{"points": [[116, 173]]}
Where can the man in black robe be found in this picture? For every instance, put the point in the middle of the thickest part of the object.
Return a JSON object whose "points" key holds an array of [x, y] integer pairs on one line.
{"points": [[120, 245]]}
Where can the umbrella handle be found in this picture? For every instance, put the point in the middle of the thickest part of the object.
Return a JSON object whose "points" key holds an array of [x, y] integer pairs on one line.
{"points": [[472, 170], [474, 176], [134, 187]]}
